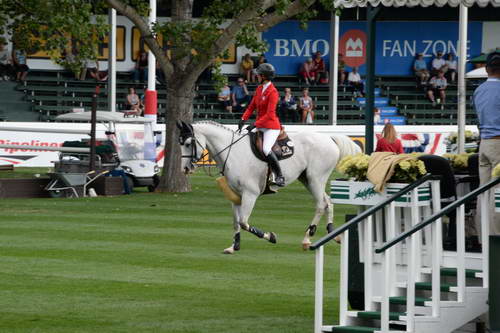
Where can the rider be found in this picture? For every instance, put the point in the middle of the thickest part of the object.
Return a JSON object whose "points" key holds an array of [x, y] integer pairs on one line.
{"points": [[265, 101]]}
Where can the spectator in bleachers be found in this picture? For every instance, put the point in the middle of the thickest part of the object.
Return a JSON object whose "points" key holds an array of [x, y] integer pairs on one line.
{"points": [[437, 87], [141, 68], [341, 69], [246, 68], [95, 72], [306, 106], [133, 102], [320, 72], [307, 71], [420, 69], [224, 97], [261, 60], [451, 64], [6, 69], [20, 64], [389, 142], [288, 107], [354, 80], [438, 64], [240, 95], [376, 116]]}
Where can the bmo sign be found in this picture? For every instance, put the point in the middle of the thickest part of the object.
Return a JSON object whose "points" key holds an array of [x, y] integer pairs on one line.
{"points": [[396, 46], [353, 47], [296, 48]]}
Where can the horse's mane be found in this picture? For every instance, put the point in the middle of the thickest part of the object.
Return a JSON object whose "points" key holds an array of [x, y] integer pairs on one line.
{"points": [[214, 123], [346, 145]]}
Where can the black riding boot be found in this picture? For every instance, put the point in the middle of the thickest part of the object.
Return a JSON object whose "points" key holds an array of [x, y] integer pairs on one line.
{"points": [[275, 167]]}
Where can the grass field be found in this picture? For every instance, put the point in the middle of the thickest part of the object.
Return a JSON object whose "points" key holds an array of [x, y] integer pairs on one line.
{"points": [[153, 263]]}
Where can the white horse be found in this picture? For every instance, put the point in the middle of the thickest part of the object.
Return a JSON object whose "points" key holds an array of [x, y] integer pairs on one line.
{"points": [[314, 159]]}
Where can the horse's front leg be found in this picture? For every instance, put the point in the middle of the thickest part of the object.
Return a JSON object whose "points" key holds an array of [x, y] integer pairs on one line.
{"points": [[242, 214], [236, 225]]}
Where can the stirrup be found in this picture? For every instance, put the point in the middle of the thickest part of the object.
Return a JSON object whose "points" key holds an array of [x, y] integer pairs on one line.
{"points": [[279, 181]]}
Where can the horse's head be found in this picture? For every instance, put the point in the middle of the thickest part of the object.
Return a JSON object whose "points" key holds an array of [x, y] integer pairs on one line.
{"points": [[191, 147]]}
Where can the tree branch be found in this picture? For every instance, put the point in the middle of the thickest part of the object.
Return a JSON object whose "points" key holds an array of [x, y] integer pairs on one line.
{"points": [[270, 20], [146, 33], [229, 33]]}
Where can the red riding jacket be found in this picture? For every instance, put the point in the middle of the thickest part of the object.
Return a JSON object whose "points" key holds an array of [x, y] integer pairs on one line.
{"points": [[266, 104]]}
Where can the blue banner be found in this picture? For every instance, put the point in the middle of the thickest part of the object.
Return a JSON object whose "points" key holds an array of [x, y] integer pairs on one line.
{"points": [[397, 44]]}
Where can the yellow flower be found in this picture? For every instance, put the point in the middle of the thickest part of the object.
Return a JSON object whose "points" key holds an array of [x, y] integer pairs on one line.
{"points": [[404, 165], [496, 171]]}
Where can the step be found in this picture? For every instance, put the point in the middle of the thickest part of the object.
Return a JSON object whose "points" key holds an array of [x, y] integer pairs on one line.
{"points": [[419, 301], [470, 273], [377, 314], [445, 287], [355, 329]]}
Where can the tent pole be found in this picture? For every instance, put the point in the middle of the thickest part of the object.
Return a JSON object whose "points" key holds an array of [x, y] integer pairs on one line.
{"points": [[334, 69], [371, 13], [462, 91], [112, 61]]}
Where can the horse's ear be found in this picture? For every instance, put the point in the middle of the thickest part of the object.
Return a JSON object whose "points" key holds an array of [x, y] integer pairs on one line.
{"points": [[186, 127], [179, 125]]}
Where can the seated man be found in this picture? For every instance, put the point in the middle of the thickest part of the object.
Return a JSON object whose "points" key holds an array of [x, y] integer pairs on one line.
{"points": [[438, 64], [354, 80], [420, 69], [437, 86], [240, 96]]}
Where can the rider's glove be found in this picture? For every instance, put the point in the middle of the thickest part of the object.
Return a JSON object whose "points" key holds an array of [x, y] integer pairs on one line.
{"points": [[240, 124]]}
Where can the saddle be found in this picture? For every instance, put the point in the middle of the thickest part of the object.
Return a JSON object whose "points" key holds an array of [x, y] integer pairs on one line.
{"points": [[283, 148]]}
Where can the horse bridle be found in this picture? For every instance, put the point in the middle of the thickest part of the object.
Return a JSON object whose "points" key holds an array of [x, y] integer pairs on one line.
{"points": [[188, 133]]}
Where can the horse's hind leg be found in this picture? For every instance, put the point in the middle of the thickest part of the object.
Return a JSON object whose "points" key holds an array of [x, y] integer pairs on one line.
{"points": [[323, 205]]}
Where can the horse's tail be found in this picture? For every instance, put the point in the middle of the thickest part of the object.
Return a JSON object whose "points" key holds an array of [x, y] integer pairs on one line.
{"points": [[346, 145]]}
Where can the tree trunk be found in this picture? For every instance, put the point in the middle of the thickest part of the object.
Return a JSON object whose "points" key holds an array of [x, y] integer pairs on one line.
{"points": [[179, 107]]}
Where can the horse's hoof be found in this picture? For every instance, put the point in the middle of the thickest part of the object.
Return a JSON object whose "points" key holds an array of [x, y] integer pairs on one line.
{"points": [[338, 239], [272, 237], [229, 250], [305, 246]]}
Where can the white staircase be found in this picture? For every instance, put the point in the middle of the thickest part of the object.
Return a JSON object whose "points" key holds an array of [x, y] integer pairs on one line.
{"points": [[411, 285]]}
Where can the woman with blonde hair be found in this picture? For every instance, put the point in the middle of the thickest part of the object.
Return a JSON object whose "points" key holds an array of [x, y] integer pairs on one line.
{"points": [[389, 142]]}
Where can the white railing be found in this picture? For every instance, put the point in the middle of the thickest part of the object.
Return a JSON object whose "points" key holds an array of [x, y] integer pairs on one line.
{"points": [[402, 264]]}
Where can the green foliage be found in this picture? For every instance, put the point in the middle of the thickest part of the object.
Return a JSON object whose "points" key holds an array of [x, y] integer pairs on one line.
{"points": [[65, 29], [220, 80]]}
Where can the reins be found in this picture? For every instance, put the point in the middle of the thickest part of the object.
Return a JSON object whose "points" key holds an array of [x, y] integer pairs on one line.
{"points": [[220, 152]]}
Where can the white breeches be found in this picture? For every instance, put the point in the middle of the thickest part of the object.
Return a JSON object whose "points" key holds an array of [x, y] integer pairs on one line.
{"points": [[270, 136]]}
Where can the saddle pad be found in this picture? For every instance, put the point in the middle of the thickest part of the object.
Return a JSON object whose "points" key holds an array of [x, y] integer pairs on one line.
{"points": [[283, 148]]}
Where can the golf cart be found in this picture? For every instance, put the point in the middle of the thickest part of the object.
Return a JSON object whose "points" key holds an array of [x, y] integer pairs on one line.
{"points": [[128, 143]]}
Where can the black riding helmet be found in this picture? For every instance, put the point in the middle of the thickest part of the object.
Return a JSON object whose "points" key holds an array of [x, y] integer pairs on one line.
{"points": [[266, 70]]}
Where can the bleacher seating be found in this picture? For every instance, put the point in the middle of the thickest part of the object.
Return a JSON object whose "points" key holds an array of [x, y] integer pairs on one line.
{"points": [[55, 92]]}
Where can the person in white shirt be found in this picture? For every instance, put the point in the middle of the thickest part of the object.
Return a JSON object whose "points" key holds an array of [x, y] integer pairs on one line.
{"points": [[451, 64], [437, 86], [354, 80], [438, 64]]}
